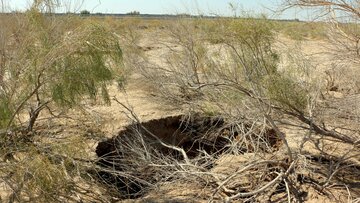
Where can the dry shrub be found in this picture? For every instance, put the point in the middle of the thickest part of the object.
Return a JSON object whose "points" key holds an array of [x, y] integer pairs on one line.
{"points": [[50, 64], [176, 150], [233, 71]]}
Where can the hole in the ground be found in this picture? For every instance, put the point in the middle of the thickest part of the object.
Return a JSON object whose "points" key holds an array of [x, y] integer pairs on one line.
{"points": [[127, 160]]}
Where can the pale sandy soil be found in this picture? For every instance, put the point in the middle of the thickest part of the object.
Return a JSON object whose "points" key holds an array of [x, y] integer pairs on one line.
{"points": [[115, 116]]}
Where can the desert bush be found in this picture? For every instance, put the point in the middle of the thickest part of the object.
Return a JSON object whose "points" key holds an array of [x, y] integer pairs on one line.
{"points": [[57, 65], [229, 67], [243, 63], [50, 64]]}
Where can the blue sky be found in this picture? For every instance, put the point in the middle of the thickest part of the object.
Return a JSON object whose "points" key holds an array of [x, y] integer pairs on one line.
{"points": [[220, 7]]}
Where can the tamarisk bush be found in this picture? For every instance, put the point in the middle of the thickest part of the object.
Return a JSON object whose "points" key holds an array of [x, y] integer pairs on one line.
{"points": [[48, 65]]}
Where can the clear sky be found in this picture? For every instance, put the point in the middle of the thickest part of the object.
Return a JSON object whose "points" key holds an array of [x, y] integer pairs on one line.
{"points": [[220, 7]]}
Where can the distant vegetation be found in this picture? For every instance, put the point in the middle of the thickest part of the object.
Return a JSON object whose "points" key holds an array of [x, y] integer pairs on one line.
{"points": [[84, 12], [303, 30], [133, 13]]}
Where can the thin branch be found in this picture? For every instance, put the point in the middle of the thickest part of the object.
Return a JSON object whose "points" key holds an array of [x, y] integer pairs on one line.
{"points": [[262, 189], [134, 116]]}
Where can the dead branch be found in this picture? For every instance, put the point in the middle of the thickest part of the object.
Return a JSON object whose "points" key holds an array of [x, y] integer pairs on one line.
{"points": [[262, 189]]}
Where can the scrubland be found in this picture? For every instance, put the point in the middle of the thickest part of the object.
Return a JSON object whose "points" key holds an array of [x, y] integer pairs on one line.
{"points": [[106, 109]]}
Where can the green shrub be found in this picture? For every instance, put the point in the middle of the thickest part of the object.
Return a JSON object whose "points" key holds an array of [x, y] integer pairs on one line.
{"points": [[286, 93], [5, 111], [57, 60]]}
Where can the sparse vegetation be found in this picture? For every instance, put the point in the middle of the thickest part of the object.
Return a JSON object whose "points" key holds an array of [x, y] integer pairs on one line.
{"points": [[303, 30], [238, 77], [252, 124]]}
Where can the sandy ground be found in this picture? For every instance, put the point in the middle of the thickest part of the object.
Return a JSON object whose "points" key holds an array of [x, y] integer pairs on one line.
{"points": [[115, 116]]}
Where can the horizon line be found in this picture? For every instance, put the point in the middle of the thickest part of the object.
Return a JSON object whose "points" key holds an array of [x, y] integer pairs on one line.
{"points": [[156, 15]]}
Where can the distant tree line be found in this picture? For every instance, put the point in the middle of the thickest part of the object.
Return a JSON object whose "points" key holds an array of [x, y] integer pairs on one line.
{"points": [[84, 12], [133, 13]]}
